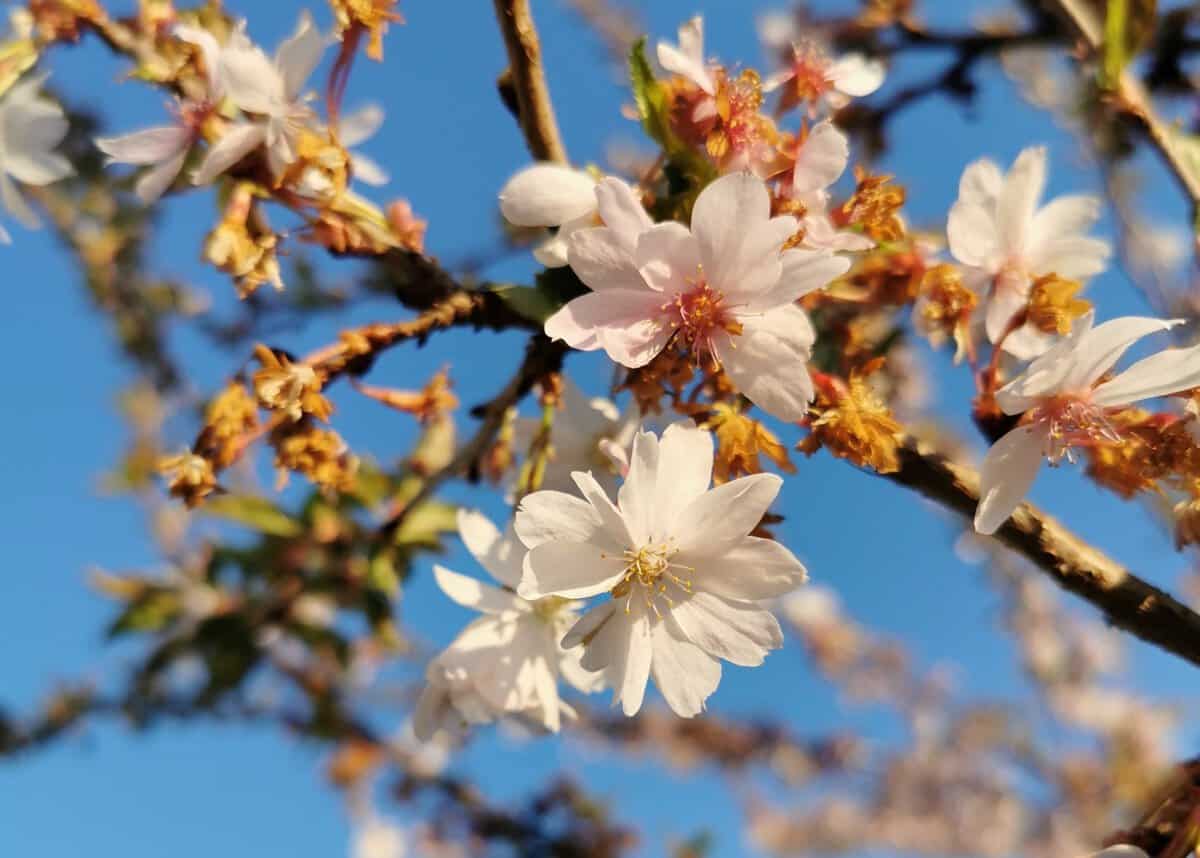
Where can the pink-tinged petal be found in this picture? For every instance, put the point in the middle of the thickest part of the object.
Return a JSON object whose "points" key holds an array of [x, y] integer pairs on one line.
{"points": [[981, 183], [738, 632], [1169, 371], [752, 570], [298, 56], [582, 320], [722, 517], [1007, 473], [550, 516], [589, 624], [1074, 257], [1100, 348], [572, 570], [856, 75], [971, 233], [151, 146], [547, 195], [1045, 375], [768, 362], [685, 675], [500, 555], [739, 240], [251, 80], [821, 159], [668, 258], [154, 183], [819, 232], [237, 142], [477, 595], [687, 60], [1019, 199], [685, 463], [804, 271], [614, 529], [637, 494], [602, 261], [622, 211]]}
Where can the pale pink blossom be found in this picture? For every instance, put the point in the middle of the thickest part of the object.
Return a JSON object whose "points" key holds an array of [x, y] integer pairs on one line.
{"points": [[1005, 241], [685, 577], [726, 288], [815, 77], [1066, 404], [820, 161]]}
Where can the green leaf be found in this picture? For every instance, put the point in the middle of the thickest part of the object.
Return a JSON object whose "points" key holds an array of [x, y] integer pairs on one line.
{"points": [[253, 512], [649, 95], [425, 525], [381, 573], [1128, 26], [150, 613]]}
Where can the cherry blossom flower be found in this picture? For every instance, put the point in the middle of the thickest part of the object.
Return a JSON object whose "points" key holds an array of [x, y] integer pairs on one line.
{"points": [[30, 128], [1065, 404], [377, 837], [725, 288], [685, 576], [507, 661], [588, 433], [165, 148], [687, 59], [271, 92], [551, 195], [815, 78], [820, 161], [1006, 241]]}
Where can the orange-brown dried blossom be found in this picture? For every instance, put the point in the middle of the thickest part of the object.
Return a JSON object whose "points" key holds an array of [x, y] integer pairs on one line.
{"points": [[741, 440], [243, 247], [889, 276], [1153, 447], [1053, 306], [373, 16], [874, 207], [853, 423], [230, 419], [432, 401], [669, 373], [945, 308], [742, 135], [408, 229], [319, 454], [291, 389], [189, 477], [64, 20]]}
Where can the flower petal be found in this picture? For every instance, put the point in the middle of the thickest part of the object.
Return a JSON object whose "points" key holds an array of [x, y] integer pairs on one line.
{"points": [[1019, 198], [637, 494], [668, 258], [614, 531], [622, 211], [684, 472], [237, 142], [154, 183], [856, 75], [981, 183], [1169, 371], [368, 171], [768, 362], [687, 60], [621, 321], [622, 650], [1099, 349], [684, 673], [601, 260], [1008, 471], [360, 125], [572, 570], [1065, 216], [738, 632], [298, 56], [821, 159], [752, 570], [971, 233], [547, 195], [1077, 257], [550, 516], [723, 516], [589, 624], [15, 204], [804, 271], [149, 146], [500, 555], [251, 80], [476, 595]]}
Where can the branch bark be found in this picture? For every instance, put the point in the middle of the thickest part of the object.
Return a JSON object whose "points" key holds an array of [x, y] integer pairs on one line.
{"points": [[529, 80], [1125, 600]]}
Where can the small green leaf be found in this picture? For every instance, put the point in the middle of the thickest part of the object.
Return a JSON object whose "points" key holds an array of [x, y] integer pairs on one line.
{"points": [[381, 573], [1128, 26], [253, 512], [150, 613], [425, 525], [649, 96]]}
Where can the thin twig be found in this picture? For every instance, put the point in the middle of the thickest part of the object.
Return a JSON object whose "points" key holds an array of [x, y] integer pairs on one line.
{"points": [[533, 97]]}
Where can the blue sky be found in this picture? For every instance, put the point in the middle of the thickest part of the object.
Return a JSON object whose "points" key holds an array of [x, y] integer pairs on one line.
{"points": [[201, 790]]}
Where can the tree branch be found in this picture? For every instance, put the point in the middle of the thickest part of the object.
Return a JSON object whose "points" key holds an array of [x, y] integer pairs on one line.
{"points": [[528, 79], [1127, 601]]}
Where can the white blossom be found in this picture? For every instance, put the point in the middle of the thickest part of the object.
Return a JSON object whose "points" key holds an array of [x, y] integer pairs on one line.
{"points": [[30, 128], [1065, 404], [507, 661], [814, 76], [687, 58], [726, 288], [997, 230], [376, 837], [553, 196], [685, 576], [271, 93], [820, 161], [356, 128]]}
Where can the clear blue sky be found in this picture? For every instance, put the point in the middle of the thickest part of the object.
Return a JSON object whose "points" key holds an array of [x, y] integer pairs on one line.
{"points": [[204, 790]]}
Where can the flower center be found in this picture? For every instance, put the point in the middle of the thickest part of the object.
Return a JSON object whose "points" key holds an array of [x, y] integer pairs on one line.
{"points": [[809, 81], [1013, 276], [650, 570], [1073, 422], [698, 314]]}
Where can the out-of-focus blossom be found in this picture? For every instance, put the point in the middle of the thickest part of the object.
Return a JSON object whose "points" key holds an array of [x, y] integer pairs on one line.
{"points": [[30, 128], [815, 78], [687, 58], [359, 127]]}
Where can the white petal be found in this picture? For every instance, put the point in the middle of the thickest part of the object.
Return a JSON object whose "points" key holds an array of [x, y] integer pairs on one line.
{"points": [[429, 712], [1063, 216], [1076, 257], [768, 362], [688, 59], [476, 595], [298, 56], [1169, 371], [614, 529], [685, 463], [237, 142], [151, 146], [624, 322], [550, 516], [636, 497], [720, 518], [1045, 375], [1007, 473], [210, 50], [981, 183], [589, 623], [668, 258], [360, 125], [547, 195], [856, 75], [622, 211], [16, 205], [1019, 198], [1002, 307], [754, 569], [251, 80], [738, 632], [971, 233], [821, 159], [154, 183], [739, 240], [601, 260], [500, 555], [684, 673], [1100, 348], [368, 171], [572, 570], [804, 271], [622, 650]]}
